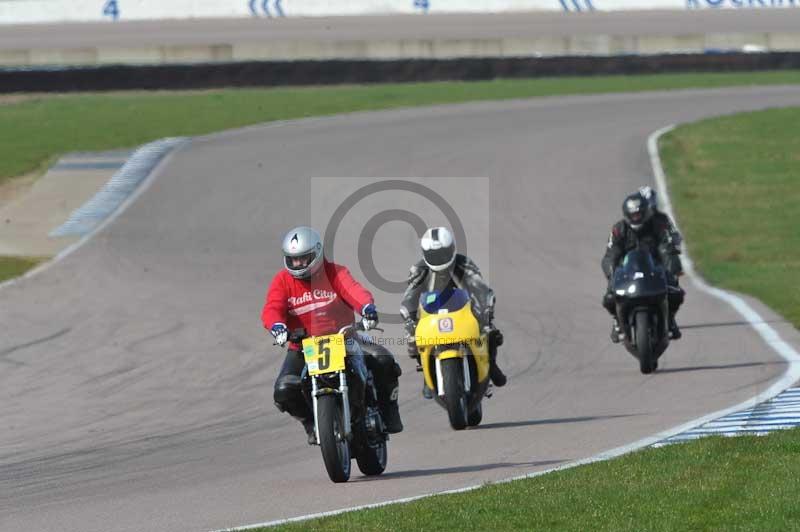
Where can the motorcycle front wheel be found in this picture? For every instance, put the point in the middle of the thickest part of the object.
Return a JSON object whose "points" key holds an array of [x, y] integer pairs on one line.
{"points": [[332, 441], [454, 396], [644, 343]]}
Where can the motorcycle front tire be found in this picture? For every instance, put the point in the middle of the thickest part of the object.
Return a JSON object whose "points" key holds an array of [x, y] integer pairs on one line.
{"points": [[334, 445], [644, 343], [454, 397]]}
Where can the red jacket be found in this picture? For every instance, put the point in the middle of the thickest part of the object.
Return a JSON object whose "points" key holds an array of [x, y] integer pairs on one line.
{"points": [[322, 304]]}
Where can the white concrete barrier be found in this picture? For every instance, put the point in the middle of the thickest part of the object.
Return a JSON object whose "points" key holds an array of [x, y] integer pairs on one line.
{"points": [[40, 11]]}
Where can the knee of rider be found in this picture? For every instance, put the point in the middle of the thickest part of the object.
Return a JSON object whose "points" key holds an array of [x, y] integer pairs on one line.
{"points": [[286, 388], [357, 360], [498, 338], [412, 351], [390, 369], [676, 296], [380, 352], [387, 365]]}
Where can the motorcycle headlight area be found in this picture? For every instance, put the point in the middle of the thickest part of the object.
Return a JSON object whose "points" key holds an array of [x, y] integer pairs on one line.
{"points": [[630, 291]]}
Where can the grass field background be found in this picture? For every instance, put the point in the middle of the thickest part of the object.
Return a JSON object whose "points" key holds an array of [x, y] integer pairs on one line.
{"points": [[15, 266], [749, 483], [36, 129], [735, 183]]}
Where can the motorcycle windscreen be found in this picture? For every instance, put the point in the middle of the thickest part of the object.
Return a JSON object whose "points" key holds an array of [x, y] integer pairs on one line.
{"points": [[449, 299], [639, 275]]}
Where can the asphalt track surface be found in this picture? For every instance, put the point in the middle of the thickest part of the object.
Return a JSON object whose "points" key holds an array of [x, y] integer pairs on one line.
{"points": [[136, 381], [379, 28]]}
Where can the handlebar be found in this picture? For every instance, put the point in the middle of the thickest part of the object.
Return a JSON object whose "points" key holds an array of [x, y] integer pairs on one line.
{"points": [[357, 326], [298, 335]]}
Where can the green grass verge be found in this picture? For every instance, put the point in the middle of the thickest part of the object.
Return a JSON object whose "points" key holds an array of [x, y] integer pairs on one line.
{"points": [[35, 131], [735, 182], [744, 483], [15, 266]]}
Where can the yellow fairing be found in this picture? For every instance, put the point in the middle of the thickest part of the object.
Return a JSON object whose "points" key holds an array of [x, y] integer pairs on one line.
{"points": [[480, 349], [461, 329], [447, 328]]}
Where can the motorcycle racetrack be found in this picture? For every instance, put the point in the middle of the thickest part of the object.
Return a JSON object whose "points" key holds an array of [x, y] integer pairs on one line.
{"points": [[136, 380]]}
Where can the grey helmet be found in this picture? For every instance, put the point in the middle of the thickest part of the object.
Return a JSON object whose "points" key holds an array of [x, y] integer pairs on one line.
{"points": [[438, 248], [302, 252]]}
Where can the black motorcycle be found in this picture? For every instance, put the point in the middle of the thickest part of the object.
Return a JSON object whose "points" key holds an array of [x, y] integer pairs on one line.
{"points": [[640, 290], [347, 421]]}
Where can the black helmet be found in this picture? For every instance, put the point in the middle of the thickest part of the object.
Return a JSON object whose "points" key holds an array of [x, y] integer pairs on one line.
{"points": [[637, 210]]}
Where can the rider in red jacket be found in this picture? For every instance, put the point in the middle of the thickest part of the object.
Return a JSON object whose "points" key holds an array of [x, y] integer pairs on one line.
{"points": [[321, 304], [320, 297]]}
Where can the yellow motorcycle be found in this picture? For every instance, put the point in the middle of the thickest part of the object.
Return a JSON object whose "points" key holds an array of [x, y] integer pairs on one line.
{"points": [[454, 355]]}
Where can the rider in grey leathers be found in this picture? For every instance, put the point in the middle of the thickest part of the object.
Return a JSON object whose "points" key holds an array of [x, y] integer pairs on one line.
{"points": [[440, 268]]}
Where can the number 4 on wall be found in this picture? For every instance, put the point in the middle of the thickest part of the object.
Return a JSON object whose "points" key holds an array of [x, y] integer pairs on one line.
{"points": [[111, 9]]}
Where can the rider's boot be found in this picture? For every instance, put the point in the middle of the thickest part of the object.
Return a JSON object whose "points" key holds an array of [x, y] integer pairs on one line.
{"points": [[308, 425], [616, 333], [499, 378], [495, 373], [674, 330], [386, 372], [390, 411], [427, 393], [391, 416]]}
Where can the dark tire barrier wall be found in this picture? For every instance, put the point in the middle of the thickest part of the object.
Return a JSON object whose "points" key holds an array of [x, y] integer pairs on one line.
{"points": [[281, 73]]}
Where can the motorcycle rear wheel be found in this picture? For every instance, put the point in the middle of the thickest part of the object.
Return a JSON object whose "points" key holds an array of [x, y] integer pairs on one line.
{"points": [[334, 445], [372, 460], [454, 396]]}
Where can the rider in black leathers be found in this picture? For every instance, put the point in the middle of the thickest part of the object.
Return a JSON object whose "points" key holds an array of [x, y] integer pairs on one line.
{"points": [[643, 223], [443, 268]]}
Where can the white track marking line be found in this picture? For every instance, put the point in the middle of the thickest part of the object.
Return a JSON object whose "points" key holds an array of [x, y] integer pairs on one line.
{"points": [[767, 333], [124, 181], [150, 174]]}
